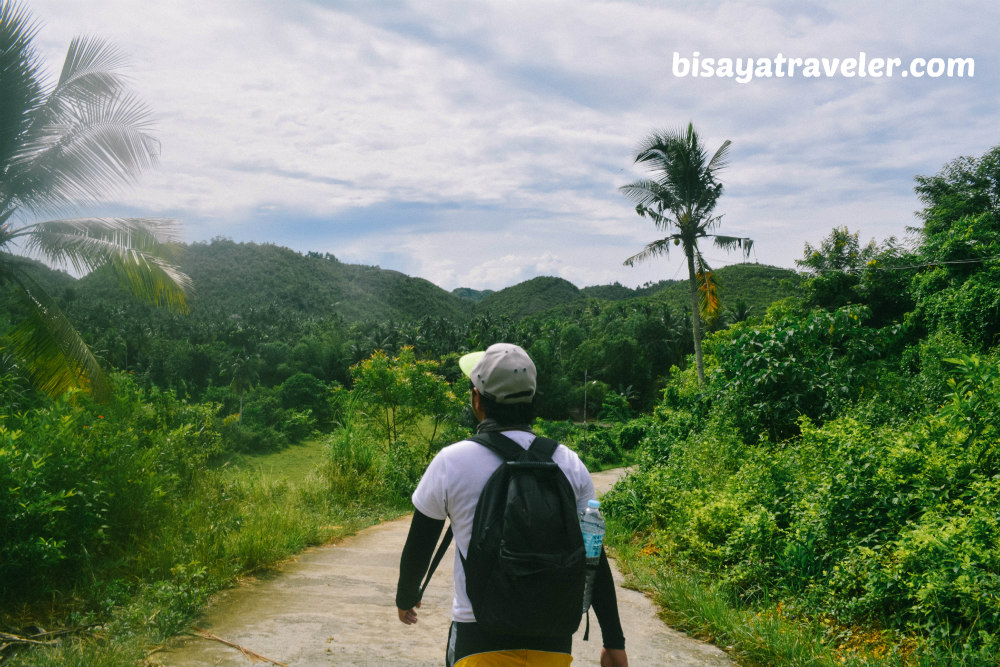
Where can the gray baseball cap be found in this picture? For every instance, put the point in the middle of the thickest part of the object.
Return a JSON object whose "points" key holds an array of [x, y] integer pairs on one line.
{"points": [[503, 373]]}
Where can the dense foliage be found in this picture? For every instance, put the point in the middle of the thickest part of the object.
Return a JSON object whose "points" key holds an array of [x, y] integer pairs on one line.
{"points": [[842, 461], [119, 519], [82, 484], [263, 314]]}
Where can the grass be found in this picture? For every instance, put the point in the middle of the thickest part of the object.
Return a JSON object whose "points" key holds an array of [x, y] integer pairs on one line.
{"points": [[767, 635], [293, 463], [241, 518]]}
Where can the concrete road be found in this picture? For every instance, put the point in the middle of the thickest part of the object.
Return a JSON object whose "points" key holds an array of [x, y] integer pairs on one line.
{"points": [[334, 605]]}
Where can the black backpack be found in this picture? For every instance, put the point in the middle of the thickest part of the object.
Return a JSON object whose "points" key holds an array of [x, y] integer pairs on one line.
{"points": [[525, 568]]}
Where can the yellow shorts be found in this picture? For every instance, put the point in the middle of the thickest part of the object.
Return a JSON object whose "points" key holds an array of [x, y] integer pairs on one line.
{"points": [[521, 658]]}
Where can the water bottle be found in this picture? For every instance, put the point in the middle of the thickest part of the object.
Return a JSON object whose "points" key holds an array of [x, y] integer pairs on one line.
{"points": [[592, 525]]}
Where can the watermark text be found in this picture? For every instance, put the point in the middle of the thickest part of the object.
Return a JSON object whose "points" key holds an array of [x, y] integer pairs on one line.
{"points": [[745, 70]]}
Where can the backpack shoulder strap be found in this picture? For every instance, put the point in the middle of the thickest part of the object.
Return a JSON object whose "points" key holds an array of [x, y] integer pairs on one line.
{"points": [[506, 448], [544, 447], [437, 559]]}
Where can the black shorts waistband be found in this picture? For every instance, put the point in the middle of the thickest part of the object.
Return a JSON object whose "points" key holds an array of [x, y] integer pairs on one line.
{"points": [[465, 639]]}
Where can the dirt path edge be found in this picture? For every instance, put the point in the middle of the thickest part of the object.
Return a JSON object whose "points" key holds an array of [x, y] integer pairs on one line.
{"points": [[334, 605]]}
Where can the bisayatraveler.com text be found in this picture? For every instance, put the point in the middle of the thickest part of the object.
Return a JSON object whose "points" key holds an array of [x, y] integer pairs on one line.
{"points": [[745, 70]]}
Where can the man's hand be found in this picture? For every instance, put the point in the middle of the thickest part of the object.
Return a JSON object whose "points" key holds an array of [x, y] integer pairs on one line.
{"points": [[408, 616], [614, 657]]}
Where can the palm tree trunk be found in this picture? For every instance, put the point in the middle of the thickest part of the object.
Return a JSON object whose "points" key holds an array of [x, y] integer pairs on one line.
{"points": [[695, 317]]}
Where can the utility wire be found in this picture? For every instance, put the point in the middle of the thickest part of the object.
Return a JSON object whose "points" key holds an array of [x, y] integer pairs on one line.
{"points": [[906, 267]]}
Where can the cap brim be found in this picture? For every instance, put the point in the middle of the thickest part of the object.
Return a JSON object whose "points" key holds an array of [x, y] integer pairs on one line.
{"points": [[469, 361]]}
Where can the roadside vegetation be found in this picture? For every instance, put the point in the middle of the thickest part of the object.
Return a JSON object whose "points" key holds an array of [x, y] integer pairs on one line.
{"points": [[121, 518], [838, 474]]}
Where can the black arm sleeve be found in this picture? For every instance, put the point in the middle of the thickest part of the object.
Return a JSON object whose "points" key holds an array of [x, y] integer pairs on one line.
{"points": [[417, 554], [605, 603]]}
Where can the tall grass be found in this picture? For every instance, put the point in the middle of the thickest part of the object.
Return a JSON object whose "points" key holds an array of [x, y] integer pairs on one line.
{"points": [[235, 522], [363, 468], [767, 633], [203, 526]]}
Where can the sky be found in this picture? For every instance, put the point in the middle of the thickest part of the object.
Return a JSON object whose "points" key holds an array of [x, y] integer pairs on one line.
{"points": [[482, 143]]}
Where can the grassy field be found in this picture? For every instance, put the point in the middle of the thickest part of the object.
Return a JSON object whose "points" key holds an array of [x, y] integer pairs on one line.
{"points": [[293, 464]]}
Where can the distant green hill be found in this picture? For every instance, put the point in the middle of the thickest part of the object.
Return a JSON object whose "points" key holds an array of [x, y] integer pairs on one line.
{"points": [[759, 285], [471, 294], [531, 297], [234, 277], [248, 279]]}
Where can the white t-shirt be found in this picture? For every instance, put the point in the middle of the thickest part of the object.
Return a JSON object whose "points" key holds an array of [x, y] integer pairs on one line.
{"points": [[453, 482]]}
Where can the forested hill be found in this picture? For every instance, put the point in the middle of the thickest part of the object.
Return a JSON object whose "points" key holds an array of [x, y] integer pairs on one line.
{"points": [[236, 276], [240, 278], [754, 286], [531, 296], [471, 294]]}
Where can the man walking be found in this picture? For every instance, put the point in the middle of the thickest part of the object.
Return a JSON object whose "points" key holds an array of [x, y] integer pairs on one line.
{"points": [[502, 386]]}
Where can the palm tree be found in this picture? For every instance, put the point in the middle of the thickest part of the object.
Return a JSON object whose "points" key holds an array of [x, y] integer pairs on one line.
{"points": [[740, 312], [244, 370], [61, 148], [681, 198]]}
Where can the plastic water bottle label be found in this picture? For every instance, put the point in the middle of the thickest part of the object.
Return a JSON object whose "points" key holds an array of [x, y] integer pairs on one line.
{"points": [[592, 542]]}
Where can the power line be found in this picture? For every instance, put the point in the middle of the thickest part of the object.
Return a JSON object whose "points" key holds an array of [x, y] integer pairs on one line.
{"points": [[906, 267]]}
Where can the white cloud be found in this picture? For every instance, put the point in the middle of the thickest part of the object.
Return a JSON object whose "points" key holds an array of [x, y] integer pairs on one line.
{"points": [[526, 116]]}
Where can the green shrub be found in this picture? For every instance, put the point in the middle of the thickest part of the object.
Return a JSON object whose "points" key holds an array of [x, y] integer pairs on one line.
{"points": [[83, 484], [30, 507], [632, 433], [298, 424], [303, 392], [615, 407], [251, 439], [637, 502], [892, 524], [564, 431], [809, 366], [600, 448]]}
